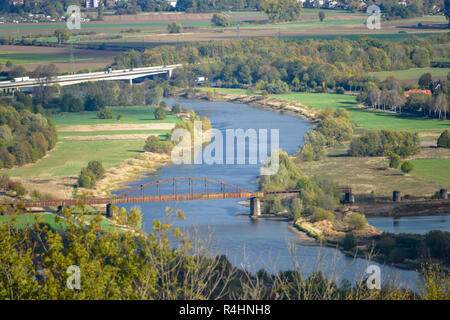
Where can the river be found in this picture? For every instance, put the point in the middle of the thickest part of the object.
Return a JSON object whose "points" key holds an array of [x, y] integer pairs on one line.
{"points": [[248, 243]]}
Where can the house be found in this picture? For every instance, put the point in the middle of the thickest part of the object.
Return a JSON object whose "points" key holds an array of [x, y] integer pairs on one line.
{"points": [[407, 93], [92, 3]]}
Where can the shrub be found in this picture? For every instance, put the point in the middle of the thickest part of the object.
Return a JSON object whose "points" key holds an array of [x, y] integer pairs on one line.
{"points": [[18, 188], [407, 166], [105, 114], [320, 214], [357, 220], [394, 161], [296, 208], [175, 27], [160, 113], [220, 20], [86, 179], [96, 167], [176, 109], [153, 144], [349, 241], [444, 139]]}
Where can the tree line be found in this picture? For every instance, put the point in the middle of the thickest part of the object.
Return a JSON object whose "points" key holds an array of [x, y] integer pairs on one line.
{"points": [[24, 136], [280, 66]]}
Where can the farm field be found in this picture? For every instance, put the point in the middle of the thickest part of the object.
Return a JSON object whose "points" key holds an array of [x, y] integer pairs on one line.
{"points": [[80, 140], [362, 117], [412, 74], [131, 115], [31, 56], [151, 29], [432, 169]]}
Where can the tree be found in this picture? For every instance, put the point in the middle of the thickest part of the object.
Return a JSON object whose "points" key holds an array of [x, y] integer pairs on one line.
{"points": [[176, 109], [394, 161], [296, 208], [105, 113], [160, 113], [96, 167], [350, 241], [174, 27], [447, 10], [94, 102], [444, 139], [321, 16], [86, 178], [407, 166], [153, 144], [282, 10], [62, 35], [425, 80], [220, 20], [357, 220]]}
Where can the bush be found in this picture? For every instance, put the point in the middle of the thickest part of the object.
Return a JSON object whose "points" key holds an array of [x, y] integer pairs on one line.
{"points": [[175, 27], [220, 20], [176, 109], [350, 241], [86, 179], [320, 214], [444, 140], [96, 167], [407, 166], [296, 208], [394, 161], [105, 114], [18, 188], [160, 113], [357, 220], [153, 144]]}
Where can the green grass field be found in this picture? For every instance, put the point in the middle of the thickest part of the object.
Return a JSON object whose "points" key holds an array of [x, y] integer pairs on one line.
{"points": [[138, 114], [366, 118], [28, 220], [433, 170], [412, 73], [56, 223], [69, 157], [362, 117], [25, 58]]}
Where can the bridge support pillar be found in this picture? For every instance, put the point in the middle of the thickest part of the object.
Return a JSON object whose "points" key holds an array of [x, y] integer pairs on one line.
{"points": [[255, 207], [443, 194], [109, 212], [60, 208], [131, 81], [170, 73], [396, 196]]}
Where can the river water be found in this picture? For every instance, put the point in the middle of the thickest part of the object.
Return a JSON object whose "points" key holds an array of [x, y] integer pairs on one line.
{"points": [[253, 244]]}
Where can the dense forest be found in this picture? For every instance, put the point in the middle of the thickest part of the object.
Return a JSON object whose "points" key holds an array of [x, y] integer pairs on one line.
{"points": [[24, 137]]}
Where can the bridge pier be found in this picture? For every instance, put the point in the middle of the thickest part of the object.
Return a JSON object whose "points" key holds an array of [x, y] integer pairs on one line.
{"points": [[109, 212], [255, 207]]}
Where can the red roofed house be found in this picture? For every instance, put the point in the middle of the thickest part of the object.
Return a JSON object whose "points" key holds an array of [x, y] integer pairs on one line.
{"points": [[407, 93]]}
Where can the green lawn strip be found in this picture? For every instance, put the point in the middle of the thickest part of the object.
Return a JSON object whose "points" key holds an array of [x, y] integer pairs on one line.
{"points": [[363, 117], [101, 133], [411, 73], [387, 36], [24, 58], [437, 170], [139, 114], [27, 220], [70, 156]]}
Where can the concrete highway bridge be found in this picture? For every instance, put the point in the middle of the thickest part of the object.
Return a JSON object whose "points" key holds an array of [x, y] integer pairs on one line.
{"points": [[177, 189], [109, 75]]}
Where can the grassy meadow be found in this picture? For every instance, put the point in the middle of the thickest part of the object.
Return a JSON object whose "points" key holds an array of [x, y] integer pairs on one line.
{"points": [[411, 74], [69, 156]]}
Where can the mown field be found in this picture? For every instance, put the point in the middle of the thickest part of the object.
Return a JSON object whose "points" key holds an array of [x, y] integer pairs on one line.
{"points": [[362, 117], [52, 220], [411, 74], [433, 169], [69, 156], [132, 115]]}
